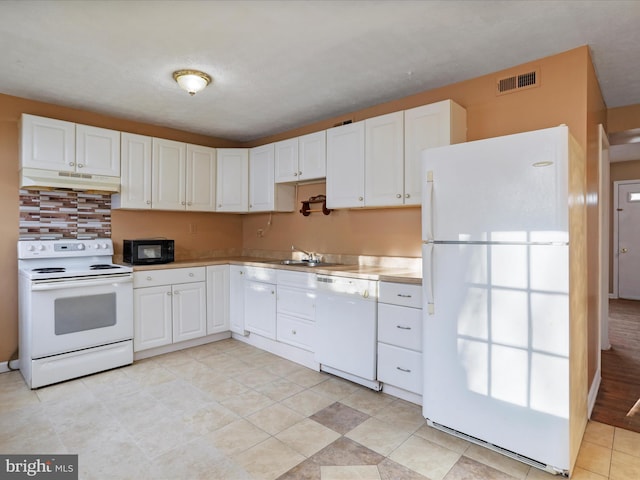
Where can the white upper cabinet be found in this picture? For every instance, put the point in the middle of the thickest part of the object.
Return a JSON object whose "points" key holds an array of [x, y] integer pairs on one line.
{"points": [[286, 161], [168, 188], [376, 162], [135, 173], [261, 183], [264, 194], [301, 158], [345, 166], [201, 178], [97, 151], [434, 125], [232, 181], [51, 144], [384, 160]]}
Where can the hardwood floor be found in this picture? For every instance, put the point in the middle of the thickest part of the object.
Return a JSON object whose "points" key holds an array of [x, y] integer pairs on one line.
{"points": [[618, 401]]}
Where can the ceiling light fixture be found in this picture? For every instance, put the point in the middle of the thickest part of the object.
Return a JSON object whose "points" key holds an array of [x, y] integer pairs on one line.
{"points": [[192, 81]]}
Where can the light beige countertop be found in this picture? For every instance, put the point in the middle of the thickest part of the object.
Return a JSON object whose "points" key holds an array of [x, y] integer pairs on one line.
{"points": [[401, 274]]}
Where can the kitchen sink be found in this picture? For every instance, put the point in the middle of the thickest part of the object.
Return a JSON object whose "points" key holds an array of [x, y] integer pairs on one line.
{"points": [[302, 263]]}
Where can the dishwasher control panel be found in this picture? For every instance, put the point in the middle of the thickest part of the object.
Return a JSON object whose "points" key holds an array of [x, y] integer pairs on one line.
{"points": [[367, 289]]}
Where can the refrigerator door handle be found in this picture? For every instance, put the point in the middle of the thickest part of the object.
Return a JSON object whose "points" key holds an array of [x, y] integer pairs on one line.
{"points": [[428, 214], [428, 277]]}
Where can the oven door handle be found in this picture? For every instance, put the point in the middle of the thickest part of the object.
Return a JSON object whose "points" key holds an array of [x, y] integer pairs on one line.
{"points": [[81, 283]]}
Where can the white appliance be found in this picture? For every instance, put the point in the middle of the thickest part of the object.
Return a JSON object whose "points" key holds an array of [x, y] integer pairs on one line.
{"points": [[496, 294], [346, 322], [75, 309]]}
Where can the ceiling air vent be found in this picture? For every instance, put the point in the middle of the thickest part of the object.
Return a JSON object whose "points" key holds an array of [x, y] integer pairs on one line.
{"points": [[518, 82]]}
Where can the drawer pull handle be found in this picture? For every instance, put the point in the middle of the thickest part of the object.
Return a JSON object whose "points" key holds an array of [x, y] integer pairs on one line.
{"points": [[191, 274], [149, 278], [293, 331], [403, 295], [402, 327], [406, 370]]}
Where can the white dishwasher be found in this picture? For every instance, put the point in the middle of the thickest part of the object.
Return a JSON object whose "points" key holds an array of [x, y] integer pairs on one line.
{"points": [[346, 326]]}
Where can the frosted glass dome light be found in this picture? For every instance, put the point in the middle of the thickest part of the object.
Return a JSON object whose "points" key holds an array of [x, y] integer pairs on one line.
{"points": [[192, 81]]}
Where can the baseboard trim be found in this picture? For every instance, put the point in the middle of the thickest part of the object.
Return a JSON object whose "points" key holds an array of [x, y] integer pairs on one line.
{"points": [[4, 366], [593, 392]]}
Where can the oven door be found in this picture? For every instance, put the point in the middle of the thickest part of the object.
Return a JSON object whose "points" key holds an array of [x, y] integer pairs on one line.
{"points": [[72, 314]]}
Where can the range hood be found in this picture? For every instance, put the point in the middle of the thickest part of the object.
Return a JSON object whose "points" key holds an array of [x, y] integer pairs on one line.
{"points": [[40, 179]]}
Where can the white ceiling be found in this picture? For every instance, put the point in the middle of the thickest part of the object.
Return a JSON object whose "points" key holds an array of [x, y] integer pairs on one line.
{"points": [[281, 64]]}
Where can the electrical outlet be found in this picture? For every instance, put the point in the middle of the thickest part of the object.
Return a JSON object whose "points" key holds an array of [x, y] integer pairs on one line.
{"points": [[260, 233], [193, 228]]}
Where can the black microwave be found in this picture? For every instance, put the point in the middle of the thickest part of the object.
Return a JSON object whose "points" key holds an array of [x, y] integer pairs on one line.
{"points": [[148, 251]]}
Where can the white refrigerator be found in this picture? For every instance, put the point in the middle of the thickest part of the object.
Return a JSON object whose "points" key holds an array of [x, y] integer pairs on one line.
{"points": [[496, 294]]}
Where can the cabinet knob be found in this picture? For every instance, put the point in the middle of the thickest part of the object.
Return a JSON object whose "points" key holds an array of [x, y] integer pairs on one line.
{"points": [[191, 274], [272, 292], [219, 205], [398, 195], [407, 195], [295, 174], [293, 332], [188, 203], [71, 164], [624, 250], [80, 165], [148, 202], [360, 199], [149, 278], [169, 293], [299, 173], [183, 203]]}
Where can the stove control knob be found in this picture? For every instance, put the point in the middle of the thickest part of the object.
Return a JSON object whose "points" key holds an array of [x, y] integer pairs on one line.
{"points": [[81, 246], [105, 246], [31, 248], [41, 247]]}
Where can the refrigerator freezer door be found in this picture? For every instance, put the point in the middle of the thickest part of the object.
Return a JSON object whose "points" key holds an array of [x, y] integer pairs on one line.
{"points": [[496, 346], [511, 188]]}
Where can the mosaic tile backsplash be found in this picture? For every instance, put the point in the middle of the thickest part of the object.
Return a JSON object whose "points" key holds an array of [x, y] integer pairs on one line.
{"points": [[64, 214]]}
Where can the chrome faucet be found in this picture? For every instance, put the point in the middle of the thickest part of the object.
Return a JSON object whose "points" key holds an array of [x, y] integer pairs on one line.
{"points": [[310, 256]]}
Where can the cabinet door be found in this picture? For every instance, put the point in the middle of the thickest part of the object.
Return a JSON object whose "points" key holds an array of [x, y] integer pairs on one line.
{"points": [[286, 161], [232, 181], [217, 299], [236, 299], [201, 178], [384, 160], [261, 183], [47, 143], [428, 126], [135, 173], [260, 308], [151, 317], [189, 311], [97, 151], [345, 166], [312, 156], [168, 174]]}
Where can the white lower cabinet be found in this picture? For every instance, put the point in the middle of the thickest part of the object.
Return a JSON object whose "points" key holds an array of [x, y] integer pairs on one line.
{"points": [[236, 299], [296, 309], [400, 336], [169, 306], [218, 299], [260, 301]]}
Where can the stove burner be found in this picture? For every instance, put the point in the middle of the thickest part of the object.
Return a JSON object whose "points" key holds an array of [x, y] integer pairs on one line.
{"points": [[103, 266], [49, 270]]}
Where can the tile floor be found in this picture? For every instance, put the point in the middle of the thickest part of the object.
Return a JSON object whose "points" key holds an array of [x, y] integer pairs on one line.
{"points": [[229, 411]]}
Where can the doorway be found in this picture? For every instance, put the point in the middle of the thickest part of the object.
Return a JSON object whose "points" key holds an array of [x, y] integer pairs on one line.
{"points": [[627, 239]]}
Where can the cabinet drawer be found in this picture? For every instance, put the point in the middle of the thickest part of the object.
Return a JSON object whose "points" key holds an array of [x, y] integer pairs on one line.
{"points": [[152, 278], [295, 331], [400, 326], [259, 274], [296, 279], [400, 367], [297, 302], [405, 294]]}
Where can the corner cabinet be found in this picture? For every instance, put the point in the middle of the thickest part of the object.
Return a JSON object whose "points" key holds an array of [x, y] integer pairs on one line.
{"points": [[51, 144], [169, 306], [264, 194], [232, 182], [217, 299]]}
